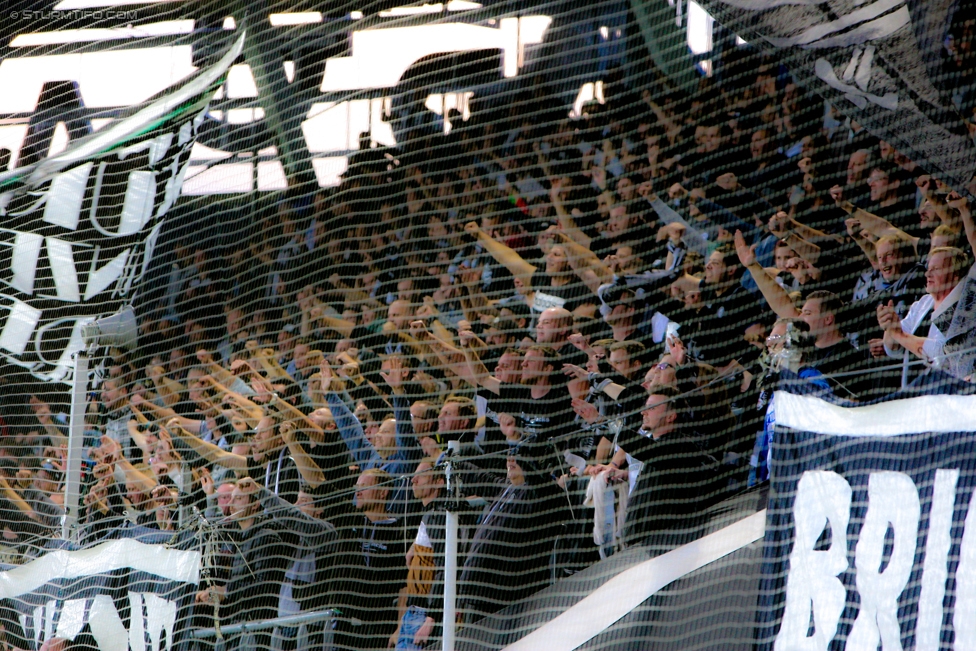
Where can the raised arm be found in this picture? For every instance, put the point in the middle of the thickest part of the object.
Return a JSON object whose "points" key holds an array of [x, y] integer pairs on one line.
{"points": [[961, 204], [208, 451], [407, 445], [477, 369], [140, 417], [139, 439], [266, 360], [164, 414], [307, 468], [587, 265], [505, 255], [775, 295], [439, 332], [785, 228], [447, 354], [394, 377], [169, 390], [145, 482], [811, 234], [14, 498], [291, 413], [43, 412], [803, 248], [214, 369], [290, 516], [566, 221], [857, 234], [250, 411], [876, 226], [350, 429], [348, 426], [472, 298], [693, 238], [112, 455]]}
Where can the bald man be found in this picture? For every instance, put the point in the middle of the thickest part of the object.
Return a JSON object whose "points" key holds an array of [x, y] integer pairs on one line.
{"points": [[552, 330]]}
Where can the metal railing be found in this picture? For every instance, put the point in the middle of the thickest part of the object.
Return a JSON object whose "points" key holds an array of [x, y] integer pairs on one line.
{"points": [[244, 637]]}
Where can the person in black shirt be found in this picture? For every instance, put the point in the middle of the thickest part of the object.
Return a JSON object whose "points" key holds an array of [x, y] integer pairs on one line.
{"points": [[541, 392], [269, 463], [424, 592], [258, 567], [543, 404], [724, 301], [328, 452], [713, 155], [552, 330], [624, 310], [674, 473], [498, 438], [612, 398], [380, 568], [506, 559], [313, 544], [886, 200], [557, 284], [624, 227], [833, 352], [858, 166], [627, 359]]}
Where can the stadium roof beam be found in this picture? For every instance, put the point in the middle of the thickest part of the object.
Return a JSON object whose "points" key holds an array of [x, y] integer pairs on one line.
{"points": [[54, 49], [283, 113], [665, 40]]}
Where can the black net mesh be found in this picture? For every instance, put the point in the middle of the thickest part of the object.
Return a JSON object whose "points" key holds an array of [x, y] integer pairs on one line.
{"points": [[354, 285]]}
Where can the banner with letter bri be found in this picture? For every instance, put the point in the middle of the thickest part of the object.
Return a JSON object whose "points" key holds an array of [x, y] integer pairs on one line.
{"points": [[871, 527]]}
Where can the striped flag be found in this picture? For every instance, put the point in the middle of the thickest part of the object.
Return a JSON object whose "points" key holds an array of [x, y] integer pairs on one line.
{"points": [[131, 592], [79, 227], [876, 60]]}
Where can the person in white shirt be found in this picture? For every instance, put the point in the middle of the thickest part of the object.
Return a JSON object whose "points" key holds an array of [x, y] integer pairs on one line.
{"points": [[923, 330]]}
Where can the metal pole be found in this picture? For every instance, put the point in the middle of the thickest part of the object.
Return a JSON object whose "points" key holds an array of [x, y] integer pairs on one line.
{"points": [[449, 620], [185, 488], [450, 580], [76, 444]]}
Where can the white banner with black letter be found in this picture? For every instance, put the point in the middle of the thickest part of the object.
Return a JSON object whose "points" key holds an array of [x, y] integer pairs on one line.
{"points": [[119, 595]]}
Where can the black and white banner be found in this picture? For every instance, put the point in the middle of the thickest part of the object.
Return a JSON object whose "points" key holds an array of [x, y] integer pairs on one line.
{"points": [[79, 228], [877, 60], [119, 595], [871, 527]]}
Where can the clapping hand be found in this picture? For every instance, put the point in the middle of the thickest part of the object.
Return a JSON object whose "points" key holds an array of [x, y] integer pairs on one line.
{"points": [[887, 317]]}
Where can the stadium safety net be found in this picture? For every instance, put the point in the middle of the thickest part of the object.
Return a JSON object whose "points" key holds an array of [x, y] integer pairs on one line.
{"points": [[608, 324]]}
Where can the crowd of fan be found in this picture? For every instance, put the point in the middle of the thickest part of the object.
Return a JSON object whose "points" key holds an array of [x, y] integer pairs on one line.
{"points": [[586, 307]]}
